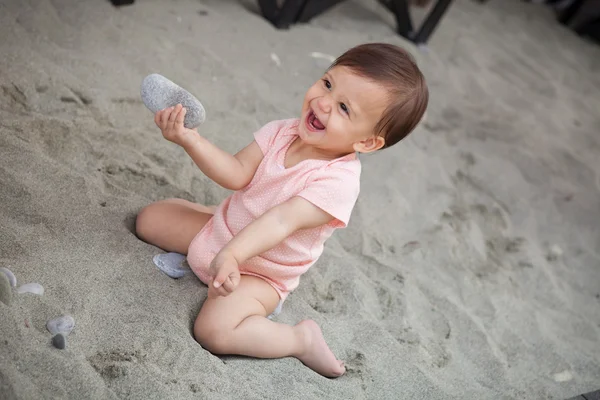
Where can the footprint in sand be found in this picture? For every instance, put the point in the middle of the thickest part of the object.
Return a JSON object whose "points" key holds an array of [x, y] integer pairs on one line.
{"points": [[126, 100], [437, 354], [137, 179], [114, 364], [433, 345], [408, 336], [14, 98], [431, 332], [330, 301], [356, 365], [388, 284], [75, 97], [485, 228], [390, 301]]}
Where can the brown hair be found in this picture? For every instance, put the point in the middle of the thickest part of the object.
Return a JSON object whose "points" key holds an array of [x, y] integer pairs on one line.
{"points": [[396, 69]]}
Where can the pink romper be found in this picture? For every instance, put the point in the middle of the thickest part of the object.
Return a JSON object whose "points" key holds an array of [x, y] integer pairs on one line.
{"points": [[331, 185]]}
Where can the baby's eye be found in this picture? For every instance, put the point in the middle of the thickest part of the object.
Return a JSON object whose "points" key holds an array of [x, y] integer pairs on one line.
{"points": [[327, 83], [344, 108]]}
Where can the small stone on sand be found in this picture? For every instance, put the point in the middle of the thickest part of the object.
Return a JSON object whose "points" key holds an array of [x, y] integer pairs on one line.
{"points": [[172, 264], [34, 288], [59, 341], [276, 59], [5, 290], [63, 324], [11, 277], [159, 93], [564, 376], [322, 61], [554, 253]]}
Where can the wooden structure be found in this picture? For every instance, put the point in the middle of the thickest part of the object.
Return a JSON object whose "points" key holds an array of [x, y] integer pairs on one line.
{"points": [[294, 11]]}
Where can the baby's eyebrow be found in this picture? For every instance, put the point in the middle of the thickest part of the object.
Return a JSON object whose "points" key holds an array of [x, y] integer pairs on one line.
{"points": [[352, 106], [329, 77]]}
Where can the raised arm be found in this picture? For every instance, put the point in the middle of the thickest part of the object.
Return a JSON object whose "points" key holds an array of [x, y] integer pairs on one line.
{"points": [[232, 172], [261, 235]]}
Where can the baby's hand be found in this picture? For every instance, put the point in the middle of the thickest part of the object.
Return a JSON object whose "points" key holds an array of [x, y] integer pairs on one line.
{"points": [[170, 122], [226, 275]]}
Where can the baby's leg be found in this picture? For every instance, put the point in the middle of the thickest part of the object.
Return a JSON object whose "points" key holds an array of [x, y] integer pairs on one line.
{"points": [[237, 324], [172, 224]]}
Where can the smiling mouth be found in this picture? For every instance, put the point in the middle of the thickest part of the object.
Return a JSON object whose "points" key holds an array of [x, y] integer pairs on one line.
{"points": [[313, 122]]}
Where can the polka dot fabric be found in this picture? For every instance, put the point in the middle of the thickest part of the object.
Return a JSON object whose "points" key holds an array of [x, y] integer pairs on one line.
{"points": [[332, 186]]}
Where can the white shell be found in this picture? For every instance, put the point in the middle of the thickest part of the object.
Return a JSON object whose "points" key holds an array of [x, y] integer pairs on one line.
{"points": [[555, 250], [276, 59], [63, 324], [323, 56], [33, 287], [11, 277]]}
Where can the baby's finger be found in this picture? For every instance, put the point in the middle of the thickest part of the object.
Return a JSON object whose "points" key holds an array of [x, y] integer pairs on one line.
{"points": [[228, 285], [218, 290], [235, 278], [212, 293], [174, 112], [164, 119], [181, 116], [222, 292], [220, 278]]}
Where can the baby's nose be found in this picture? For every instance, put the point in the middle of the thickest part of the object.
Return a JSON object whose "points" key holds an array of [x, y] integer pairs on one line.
{"points": [[324, 104]]}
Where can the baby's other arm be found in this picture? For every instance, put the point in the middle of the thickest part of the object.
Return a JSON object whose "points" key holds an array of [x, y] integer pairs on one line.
{"points": [[261, 235], [274, 226], [231, 172]]}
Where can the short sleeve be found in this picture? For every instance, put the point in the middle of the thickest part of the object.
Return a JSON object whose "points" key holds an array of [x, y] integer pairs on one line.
{"points": [[265, 136], [335, 190]]}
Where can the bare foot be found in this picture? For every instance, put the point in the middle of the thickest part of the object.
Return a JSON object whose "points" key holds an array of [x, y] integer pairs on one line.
{"points": [[316, 354]]}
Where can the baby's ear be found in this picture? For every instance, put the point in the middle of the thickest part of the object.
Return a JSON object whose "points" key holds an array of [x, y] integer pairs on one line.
{"points": [[370, 144]]}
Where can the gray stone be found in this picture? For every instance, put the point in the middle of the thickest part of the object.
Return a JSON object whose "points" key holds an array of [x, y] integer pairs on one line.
{"points": [[63, 324], [172, 264], [5, 290], [59, 341], [159, 93], [11, 277]]}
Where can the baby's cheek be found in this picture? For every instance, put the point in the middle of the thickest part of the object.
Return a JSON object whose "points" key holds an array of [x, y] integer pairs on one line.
{"points": [[338, 127]]}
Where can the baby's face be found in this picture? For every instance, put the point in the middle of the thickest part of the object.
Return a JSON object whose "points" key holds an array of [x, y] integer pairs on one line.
{"points": [[340, 111]]}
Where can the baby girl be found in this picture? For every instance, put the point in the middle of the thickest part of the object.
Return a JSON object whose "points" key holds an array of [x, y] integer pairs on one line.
{"points": [[294, 185]]}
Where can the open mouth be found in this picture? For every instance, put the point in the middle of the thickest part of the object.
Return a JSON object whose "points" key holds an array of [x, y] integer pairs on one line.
{"points": [[313, 122]]}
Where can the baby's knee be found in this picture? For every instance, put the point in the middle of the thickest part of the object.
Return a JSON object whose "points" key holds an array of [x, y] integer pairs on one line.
{"points": [[211, 336], [144, 222]]}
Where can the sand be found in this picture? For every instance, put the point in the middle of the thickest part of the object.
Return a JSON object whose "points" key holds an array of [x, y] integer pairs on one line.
{"points": [[470, 269]]}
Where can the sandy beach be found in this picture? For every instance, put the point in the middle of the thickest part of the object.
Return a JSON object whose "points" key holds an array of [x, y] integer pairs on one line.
{"points": [[471, 265]]}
